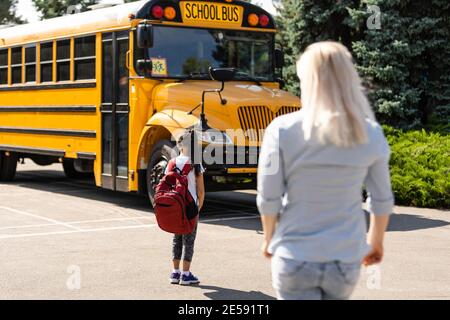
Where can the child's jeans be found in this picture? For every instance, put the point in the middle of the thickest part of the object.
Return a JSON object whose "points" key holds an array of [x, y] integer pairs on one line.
{"points": [[294, 280], [184, 243]]}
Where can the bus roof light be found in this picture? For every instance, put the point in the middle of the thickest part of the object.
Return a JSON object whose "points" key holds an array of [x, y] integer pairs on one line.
{"points": [[170, 13], [263, 20], [253, 19], [157, 12]]}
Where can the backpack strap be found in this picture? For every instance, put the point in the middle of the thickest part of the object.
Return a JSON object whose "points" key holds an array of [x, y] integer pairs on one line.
{"points": [[171, 165], [186, 169]]}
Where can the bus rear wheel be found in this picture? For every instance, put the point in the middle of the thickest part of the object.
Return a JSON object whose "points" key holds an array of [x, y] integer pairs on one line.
{"points": [[71, 172], [8, 166], [162, 153]]}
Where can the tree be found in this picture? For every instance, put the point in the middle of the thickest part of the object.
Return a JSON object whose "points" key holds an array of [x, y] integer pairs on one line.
{"points": [[7, 12], [404, 64], [56, 8], [303, 22]]}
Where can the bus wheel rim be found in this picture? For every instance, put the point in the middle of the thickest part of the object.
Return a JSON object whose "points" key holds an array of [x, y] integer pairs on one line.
{"points": [[158, 172]]}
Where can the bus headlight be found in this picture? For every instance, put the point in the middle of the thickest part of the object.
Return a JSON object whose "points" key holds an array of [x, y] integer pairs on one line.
{"points": [[215, 137]]}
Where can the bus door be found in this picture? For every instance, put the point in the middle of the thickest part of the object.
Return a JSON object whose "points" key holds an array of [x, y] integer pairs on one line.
{"points": [[115, 111]]}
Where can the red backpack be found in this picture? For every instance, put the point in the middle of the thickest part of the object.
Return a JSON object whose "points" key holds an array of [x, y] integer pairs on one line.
{"points": [[175, 209]]}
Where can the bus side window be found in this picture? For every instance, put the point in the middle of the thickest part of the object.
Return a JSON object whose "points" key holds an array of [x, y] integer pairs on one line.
{"points": [[85, 58], [30, 63], [47, 62], [3, 66], [63, 60], [16, 65]]}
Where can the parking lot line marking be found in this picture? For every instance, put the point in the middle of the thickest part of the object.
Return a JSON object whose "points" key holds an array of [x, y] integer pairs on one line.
{"points": [[107, 220], [29, 226], [26, 235], [230, 219], [40, 217], [119, 228], [231, 210], [53, 189], [74, 222]]}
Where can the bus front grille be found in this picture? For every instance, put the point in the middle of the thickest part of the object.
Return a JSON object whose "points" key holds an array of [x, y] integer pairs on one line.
{"points": [[254, 119], [285, 110]]}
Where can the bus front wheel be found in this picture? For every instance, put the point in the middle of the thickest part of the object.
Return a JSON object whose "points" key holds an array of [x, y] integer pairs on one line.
{"points": [[161, 154], [8, 166]]}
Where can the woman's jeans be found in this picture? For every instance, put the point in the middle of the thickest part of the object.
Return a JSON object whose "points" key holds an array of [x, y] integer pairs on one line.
{"points": [[184, 243], [294, 280]]}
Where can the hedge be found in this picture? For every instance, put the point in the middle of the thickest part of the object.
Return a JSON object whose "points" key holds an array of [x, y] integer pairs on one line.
{"points": [[420, 167]]}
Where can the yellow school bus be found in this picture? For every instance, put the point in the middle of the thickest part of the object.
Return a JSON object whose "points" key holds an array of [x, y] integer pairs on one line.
{"points": [[105, 91]]}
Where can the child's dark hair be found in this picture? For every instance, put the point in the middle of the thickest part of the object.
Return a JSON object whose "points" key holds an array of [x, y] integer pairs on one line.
{"points": [[188, 143]]}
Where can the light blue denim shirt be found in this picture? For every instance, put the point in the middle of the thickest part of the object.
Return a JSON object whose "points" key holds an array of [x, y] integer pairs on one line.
{"points": [[316, 190]]}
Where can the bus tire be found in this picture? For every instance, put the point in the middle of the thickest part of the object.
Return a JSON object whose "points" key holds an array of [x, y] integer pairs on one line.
{"points": [[160, 156], [70, 171], [8, 166]]}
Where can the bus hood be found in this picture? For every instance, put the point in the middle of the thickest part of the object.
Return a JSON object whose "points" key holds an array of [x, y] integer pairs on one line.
{"points": [[248, 106]]}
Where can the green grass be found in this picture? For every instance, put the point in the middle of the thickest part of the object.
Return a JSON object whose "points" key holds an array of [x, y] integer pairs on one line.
{"points": [[420, 167]]}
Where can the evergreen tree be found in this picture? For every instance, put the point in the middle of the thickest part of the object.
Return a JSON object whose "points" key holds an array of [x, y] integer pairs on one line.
{"points": [[56, 8], [7, 12], [303, 22], [404, 63]]}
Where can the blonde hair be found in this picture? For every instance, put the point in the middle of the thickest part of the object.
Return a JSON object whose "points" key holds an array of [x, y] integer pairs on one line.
{"points": [[334, 104]]}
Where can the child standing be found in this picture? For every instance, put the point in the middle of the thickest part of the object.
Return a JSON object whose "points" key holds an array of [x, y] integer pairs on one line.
{"points": [[185, 243]]}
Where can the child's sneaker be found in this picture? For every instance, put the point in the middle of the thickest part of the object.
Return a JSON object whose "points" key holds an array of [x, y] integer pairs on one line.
{"points": [[175, 277], [188, 279]]}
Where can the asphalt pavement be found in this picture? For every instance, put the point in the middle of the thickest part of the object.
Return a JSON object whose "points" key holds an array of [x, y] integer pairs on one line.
{"points": [[67, 239]]}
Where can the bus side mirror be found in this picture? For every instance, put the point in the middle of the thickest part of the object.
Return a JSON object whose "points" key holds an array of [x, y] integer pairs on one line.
{"points": [[279, 58], [222, 74], [281, 82], [144, 66], [145, 36]]}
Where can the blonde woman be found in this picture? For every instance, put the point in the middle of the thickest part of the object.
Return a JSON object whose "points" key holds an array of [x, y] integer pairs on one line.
{"points": [[312, 167]]}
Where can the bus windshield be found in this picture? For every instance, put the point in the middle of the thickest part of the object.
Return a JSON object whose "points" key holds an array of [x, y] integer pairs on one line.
{"points": [[189, 52]]}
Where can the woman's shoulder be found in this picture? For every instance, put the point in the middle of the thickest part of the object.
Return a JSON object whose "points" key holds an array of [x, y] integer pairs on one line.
{"points": [[286, 128], [377, 137], [286, 121], [374, 129], [371, 123]]}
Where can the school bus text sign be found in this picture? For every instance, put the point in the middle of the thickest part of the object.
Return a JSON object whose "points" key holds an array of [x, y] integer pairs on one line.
{"points": [[212, 13]]}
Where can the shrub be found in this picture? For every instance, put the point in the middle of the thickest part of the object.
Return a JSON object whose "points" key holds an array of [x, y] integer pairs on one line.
{"points": [[420, 167]]}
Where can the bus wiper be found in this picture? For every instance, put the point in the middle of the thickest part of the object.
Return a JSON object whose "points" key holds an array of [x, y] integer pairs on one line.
{"points": [[246, 76], [195, 75], [190, 112]]}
